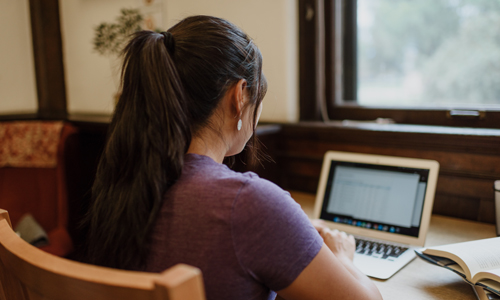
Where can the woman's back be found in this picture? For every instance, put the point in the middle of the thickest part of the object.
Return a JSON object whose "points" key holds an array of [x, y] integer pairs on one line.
{"points": [[244, 233]]}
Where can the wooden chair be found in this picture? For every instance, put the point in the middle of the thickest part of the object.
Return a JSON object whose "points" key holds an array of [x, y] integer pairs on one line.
{"points": [[27, 272]]}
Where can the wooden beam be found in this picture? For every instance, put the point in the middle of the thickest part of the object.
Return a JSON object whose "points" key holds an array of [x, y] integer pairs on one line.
{"points": [[311, 57], [48, 57]]}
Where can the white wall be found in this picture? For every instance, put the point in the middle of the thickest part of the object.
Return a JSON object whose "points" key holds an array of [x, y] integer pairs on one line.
{"points": [[17, 72], [272, 24]]}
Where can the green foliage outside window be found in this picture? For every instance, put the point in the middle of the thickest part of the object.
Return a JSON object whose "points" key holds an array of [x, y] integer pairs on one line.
{"points": [[445, 51]]}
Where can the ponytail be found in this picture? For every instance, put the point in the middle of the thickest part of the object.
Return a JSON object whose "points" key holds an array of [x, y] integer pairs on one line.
{"points": [[147, 140]]}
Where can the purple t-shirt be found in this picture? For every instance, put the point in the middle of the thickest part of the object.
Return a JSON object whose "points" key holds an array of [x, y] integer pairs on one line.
{"points": [[247, 235]]}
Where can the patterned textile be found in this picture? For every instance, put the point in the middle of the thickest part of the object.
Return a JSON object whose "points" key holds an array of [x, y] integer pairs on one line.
{"points": [[29, 143]]}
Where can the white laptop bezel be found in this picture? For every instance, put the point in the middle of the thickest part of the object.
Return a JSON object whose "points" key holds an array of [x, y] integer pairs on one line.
{"points": [[431, 165]]}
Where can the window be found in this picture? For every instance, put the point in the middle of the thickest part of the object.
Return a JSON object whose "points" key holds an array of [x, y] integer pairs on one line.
{"points": [[431, 62], [428, 52]]}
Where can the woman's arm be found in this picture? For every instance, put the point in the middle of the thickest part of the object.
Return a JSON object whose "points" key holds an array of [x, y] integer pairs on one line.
{"points": [[331, 274]]}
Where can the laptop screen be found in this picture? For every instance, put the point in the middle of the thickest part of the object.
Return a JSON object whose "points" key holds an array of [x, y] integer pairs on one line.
{"points": [[376, 197]]}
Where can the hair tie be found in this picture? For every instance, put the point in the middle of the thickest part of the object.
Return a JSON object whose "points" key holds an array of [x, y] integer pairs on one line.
{"points": [[168, 40]]}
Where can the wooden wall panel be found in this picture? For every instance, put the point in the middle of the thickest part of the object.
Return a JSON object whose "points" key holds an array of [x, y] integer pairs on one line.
{"points": [[486, 211], [469, 163]]}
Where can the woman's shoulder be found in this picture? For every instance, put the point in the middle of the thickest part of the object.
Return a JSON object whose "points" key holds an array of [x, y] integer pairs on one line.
{"points": [[250, 186], [205, 167], [263, 197], [257, 187]]}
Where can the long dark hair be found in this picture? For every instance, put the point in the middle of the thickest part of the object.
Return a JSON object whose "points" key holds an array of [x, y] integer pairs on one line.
{"points": [[171, 84]]}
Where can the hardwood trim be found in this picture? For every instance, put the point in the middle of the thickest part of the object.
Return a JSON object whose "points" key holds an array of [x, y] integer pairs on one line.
{"points": [[429, 116], [333, 62], [320, 59], [417, 137], [310, 76], [350, 50], [48, 57], [19, 116]]}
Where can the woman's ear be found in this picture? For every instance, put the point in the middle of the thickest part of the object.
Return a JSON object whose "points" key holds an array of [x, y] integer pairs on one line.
{"points": [[239, 96]]}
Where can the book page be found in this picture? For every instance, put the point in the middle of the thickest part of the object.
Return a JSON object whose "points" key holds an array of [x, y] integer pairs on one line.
{"points": [[456, 268], [480, 255], [488, 277]]}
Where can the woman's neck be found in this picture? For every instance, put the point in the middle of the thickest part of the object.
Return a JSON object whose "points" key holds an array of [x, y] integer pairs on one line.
{"points": [[216, 150]]}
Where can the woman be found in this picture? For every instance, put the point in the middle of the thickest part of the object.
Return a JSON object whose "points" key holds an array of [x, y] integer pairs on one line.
{"points": [[191, 97]]}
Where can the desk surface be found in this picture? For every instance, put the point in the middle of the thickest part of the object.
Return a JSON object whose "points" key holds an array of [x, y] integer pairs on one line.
{"points": [[421, 280]]}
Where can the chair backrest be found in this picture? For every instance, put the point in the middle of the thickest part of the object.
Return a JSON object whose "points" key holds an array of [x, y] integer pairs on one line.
{"points": [[27, 272]]}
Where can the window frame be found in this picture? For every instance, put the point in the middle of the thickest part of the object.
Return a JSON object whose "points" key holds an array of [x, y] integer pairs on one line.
{"points": [[326, 54]]}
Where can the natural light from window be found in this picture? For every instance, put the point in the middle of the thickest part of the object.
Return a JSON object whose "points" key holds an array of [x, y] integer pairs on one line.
{"points": [[443, 53]]}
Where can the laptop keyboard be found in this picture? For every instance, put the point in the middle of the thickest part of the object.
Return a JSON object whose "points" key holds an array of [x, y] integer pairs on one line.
{"points": [[378, 249]]}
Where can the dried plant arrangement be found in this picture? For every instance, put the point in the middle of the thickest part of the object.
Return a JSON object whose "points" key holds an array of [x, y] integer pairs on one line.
{"points": [[110, 38]]}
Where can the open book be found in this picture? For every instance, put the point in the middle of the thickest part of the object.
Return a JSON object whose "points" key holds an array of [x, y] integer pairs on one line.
{"points": [[478, 262]]}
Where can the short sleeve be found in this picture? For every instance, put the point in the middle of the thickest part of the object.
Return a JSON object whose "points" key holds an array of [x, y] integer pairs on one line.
{"points": [[273, 238]]}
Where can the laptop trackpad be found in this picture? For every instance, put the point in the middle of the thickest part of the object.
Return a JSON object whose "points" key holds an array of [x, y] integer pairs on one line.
{"points": [[382, 268]]}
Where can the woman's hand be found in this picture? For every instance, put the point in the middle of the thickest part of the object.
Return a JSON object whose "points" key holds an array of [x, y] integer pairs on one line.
{"points": [[319, 224], [340, 243]]}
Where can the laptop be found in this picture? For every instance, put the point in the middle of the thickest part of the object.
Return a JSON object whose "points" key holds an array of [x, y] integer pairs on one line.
{"points": [[385, 202]]}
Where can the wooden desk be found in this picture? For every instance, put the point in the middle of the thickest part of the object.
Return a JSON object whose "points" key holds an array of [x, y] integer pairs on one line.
{"points": [[421, 280]]}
